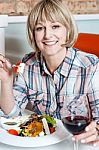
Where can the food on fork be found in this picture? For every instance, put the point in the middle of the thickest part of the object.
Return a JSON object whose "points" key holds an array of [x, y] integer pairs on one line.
{"points": [[18, 68]]}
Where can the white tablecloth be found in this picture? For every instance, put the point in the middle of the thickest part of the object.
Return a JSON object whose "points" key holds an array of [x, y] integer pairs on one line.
{"points": [[64, 145]]}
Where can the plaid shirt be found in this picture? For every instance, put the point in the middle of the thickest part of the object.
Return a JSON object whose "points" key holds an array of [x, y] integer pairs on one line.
{"points": [[76, 78]]}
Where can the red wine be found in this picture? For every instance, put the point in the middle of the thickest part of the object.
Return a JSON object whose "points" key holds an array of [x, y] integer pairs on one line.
{"points": [[76, 125]]}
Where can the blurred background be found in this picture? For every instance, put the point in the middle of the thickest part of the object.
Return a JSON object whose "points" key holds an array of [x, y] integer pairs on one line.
{"points": [[22, 7], [86, 13]]}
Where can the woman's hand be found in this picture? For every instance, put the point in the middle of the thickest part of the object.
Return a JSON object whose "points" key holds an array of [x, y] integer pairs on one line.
{"points": [[89, 136], [6, 76], [5, 69]]}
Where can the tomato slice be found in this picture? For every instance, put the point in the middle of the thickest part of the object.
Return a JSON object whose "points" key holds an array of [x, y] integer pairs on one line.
{"points": [[13, 131], [15, 69], [52, 129]]}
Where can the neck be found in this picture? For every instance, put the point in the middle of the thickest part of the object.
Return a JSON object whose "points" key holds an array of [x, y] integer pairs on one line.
{"points": [[53, 62]]}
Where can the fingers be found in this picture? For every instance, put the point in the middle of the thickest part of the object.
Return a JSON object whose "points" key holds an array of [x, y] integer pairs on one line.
{"points": [[5, 69], [89, 139], [89, 135], [4, 63], [8, 65], [96, 142], [1, 64], [91, 126], [2, 60]]}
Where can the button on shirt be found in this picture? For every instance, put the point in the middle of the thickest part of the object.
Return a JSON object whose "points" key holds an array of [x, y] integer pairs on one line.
{"points": [[76, 78]]}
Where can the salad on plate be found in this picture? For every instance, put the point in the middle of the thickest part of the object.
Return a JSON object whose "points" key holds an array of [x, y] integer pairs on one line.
{"points": [[29, 125]]}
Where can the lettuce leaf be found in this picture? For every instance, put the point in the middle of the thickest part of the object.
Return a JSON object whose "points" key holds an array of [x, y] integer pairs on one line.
{"points": [[50, 120]]}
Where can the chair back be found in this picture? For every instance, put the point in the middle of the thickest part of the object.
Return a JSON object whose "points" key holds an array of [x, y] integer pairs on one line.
{"points": [[88, 42]]}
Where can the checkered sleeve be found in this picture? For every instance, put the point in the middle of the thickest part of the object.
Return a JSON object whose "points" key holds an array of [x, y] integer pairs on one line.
{"points": [[94, 91]]}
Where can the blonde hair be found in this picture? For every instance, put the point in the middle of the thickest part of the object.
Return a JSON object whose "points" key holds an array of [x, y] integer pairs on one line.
{"points": [[51, 10]]}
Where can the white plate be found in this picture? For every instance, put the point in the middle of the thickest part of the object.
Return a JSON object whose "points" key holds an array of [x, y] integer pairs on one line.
{"points": [[59, 135], [18, 120]]}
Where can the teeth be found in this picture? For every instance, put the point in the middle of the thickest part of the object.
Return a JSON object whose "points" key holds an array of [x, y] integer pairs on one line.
{"points": [[49, 43]]}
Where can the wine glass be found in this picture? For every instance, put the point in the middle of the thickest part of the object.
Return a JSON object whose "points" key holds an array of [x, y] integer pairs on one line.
{"points": [[76, 116]]}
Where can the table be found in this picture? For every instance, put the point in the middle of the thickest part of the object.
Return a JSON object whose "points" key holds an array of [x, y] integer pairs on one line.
{"points": [[64, 145]]}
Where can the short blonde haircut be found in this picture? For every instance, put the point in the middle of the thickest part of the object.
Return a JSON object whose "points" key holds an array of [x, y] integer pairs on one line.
{"points": [[51, 10]]}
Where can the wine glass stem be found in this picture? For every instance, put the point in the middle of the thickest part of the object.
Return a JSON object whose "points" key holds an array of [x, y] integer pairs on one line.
{"points": [[75, 145]]}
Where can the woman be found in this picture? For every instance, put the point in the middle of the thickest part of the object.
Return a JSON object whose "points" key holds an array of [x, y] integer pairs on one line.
{"points": [[54, 71]]}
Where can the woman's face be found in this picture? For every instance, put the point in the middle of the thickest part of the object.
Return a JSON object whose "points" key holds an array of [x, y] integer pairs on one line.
{"points": [[49, 37]]}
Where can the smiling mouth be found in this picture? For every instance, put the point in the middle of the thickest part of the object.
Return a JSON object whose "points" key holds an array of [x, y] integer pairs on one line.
{"points": [[50, 43]]}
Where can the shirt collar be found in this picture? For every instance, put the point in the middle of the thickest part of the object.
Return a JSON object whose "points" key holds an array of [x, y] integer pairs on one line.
{"points": [[64, 67], [68, 62], [43, 66]]}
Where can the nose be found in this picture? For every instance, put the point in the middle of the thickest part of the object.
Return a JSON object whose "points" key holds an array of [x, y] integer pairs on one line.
{"points": [[48, 33]]}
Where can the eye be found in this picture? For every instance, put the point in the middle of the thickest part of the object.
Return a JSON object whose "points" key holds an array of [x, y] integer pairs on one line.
{"points": [[55, 26], [39, 28]]}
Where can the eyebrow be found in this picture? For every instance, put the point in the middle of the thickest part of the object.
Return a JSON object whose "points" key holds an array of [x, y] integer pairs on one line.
{"points": [[43, 23], [39, 24]]}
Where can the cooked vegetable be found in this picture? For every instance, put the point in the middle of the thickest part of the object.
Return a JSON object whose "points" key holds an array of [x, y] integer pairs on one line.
{"points": [[13, 131], [50, 120], [52, 129]]}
